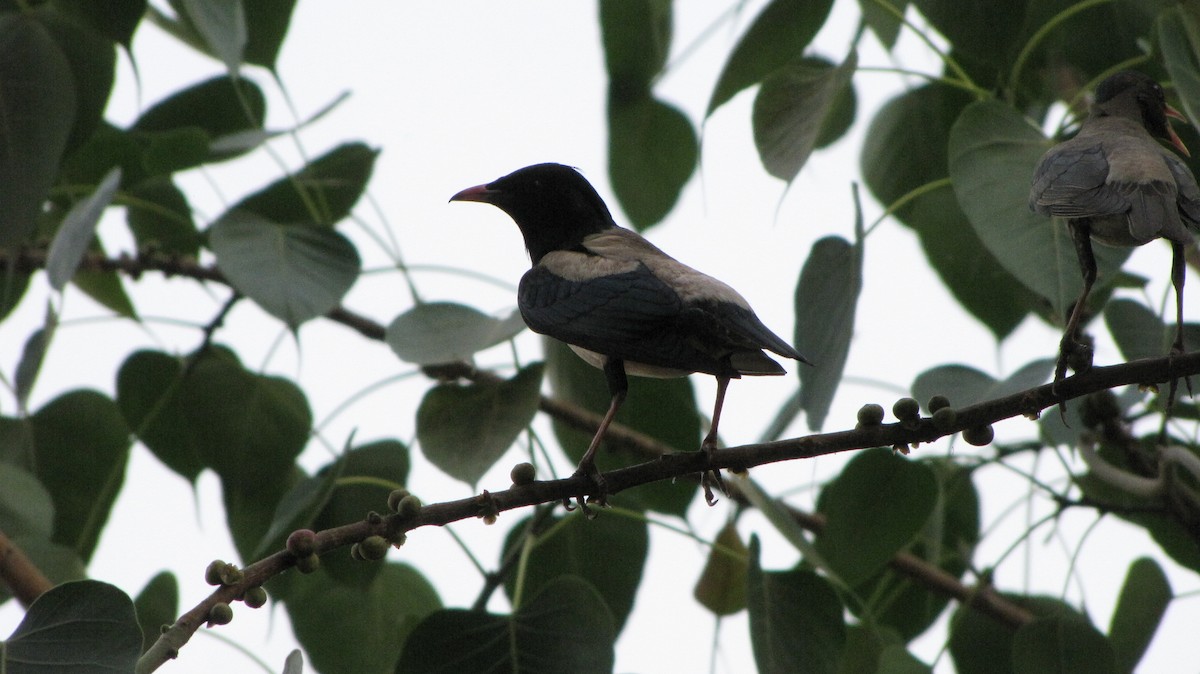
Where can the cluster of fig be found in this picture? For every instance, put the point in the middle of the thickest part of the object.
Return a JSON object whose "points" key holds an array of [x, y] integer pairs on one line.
{"points": [[223, 573], [908, 413]]}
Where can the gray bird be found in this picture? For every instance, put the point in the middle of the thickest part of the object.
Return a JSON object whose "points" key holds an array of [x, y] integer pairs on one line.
{"points": [[1115, 182], [618, 301]]}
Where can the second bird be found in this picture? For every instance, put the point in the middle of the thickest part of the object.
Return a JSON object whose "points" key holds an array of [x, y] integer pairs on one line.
{"points": [[1115, 183], [618, 301]]}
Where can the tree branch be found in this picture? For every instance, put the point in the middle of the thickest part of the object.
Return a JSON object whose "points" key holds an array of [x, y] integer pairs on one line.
{"points": [[20, 575], [667, 464]]}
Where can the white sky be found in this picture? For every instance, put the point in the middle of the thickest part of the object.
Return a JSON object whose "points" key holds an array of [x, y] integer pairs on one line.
{"points": [[457, 94]]}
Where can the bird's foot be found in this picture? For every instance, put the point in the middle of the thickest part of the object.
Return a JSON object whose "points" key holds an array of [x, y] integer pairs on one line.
{"points": [[598, 493], [1076, 355], [711, 477]]}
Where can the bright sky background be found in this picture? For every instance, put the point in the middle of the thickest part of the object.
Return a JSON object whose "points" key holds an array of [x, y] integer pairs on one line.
{"points": [[457, 94]]}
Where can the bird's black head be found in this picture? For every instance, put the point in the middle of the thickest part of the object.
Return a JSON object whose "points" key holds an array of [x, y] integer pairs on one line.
{"points": [[1137, 96], [554, 206]]}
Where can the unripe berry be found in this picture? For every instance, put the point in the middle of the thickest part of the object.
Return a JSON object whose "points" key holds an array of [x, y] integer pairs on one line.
{"points": [[302, 543], [373, 548], [212, 574], [979, 435], [255, 597], [394, 499], [906, 409], [409, 506], [945, 418], [936, 403], [308, 564], [220, 614], [523, 473], [870, 414]]}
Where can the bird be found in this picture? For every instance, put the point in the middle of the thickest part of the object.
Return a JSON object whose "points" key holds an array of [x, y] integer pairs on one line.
{"points": [[1115, 182], [619, 302]]}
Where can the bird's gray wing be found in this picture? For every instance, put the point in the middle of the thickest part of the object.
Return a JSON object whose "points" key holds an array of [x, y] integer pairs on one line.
{"points": [[1189, 192], [1072, 182]]}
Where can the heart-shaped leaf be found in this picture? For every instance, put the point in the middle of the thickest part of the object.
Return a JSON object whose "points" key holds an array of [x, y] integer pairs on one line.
{"points": [[565, 628], [434, 333], [83, 626], [722, 585], [793, 108], [465, 429], [964, 385], [294, 272], [652, 151]]}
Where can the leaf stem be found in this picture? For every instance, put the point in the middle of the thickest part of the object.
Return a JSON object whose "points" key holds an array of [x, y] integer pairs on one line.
{"points": [[1041, 34]]}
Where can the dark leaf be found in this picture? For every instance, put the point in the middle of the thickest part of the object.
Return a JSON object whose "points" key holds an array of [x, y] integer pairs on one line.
{"points": [[993, 152], [964, 385], [26, 508], [321, 193], [779, 34], [92, 59], [980, 644], [149, 394], [722, 585], [652, 151], [883, 23], [85, 627], [1136, 329], [82, 446], [985, 31], [1144, 599], [114, 19], [57, 562], [465, 429], [294, 272], [794, 107], [608, 552], [37, 102], [637, 41], [372, 622], [1061, 644], [160, 217], [796, 622], [565, 628], [157, 605], [826, 301], [877, 506], [664, 409], [267, 24], [33, 355], [218, 108], [434, 333]]}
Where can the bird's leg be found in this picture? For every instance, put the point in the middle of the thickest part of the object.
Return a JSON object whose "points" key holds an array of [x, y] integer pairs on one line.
{"points": [[1071, 349], [618, 386], [709, 445], [1178, 273]]}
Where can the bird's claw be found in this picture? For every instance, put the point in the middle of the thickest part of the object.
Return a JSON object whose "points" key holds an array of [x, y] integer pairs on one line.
{"points": [[599, 492], [711, 476]]}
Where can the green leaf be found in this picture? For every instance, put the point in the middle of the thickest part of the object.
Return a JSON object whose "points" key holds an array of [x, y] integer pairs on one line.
{"points": [[652, 151], [37, 102], [372, 622], [780, 33], [876, 507], [85, 627], [1063, 644], [947, 541], [664, 409], [77, 230], [107, 289], [26, 508], [160, 217], [985, 31], [12, 287], [294, 272], [980, 644], [1136, 329], [321, 193], [84, 484], [722, 585], [33, 355], [883, 23], [148, 393], [92, 59], [826, 302], [1177, 29], [1144, 599], [964, 385], [796, 622], [565, 628], [993, 152], [608, 552], [362, 480], [222, 26], [157, 605], [905, 151], [217, 108], [114, 19], [637, 41], [895, 659], [465, 429], [267, 24], [434, 333], [794, 107]]}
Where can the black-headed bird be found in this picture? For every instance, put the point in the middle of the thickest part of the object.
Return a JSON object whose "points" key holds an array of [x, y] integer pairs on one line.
{"points": [[618, 301], [1116, 183]]}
